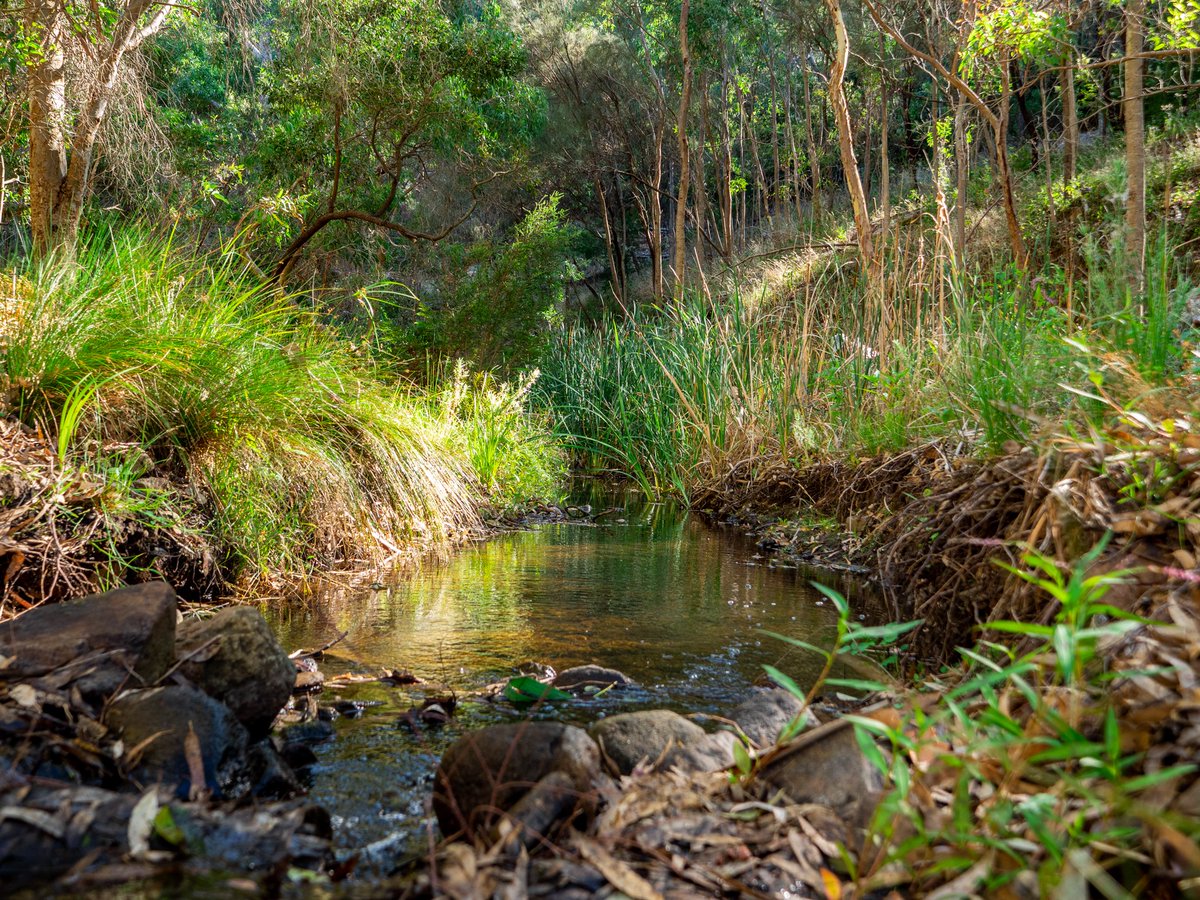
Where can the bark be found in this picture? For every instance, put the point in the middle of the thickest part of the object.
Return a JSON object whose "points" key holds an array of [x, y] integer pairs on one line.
{"points": [[814, 163], [885, 175], [1135, 143], [685, 100], [700, 202], [726, 186], [962, 176], [47, 121], [841, 114], [610, 244], [997, 122], [1070, 123], [60, 170]]}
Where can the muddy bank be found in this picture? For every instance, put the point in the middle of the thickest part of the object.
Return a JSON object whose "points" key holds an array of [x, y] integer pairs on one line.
{"points": [[928, 525], [67, 531]]}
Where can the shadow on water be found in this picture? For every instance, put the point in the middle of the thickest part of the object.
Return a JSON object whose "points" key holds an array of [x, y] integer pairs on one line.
{"points": [[677, 606]]}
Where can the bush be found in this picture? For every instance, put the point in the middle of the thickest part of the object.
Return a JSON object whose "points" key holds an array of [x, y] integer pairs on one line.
{"points": [[496, 309]]}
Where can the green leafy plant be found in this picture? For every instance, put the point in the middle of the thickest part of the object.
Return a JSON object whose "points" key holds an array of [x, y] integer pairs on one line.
{"points": [[525, 689], [1036, 733]]}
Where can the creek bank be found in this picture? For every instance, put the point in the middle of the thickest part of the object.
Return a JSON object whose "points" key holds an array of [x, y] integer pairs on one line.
{"points": [[926, 526], [130, 739], [67, 530]]}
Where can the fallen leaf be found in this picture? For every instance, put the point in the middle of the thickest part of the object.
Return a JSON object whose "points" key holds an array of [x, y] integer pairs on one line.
{"points": [[141, 824], [617, 873], [833, 887], [25, 695]]}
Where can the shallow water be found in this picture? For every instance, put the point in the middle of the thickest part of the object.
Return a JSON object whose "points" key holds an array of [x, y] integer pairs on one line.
{"points": [[677, 606]]}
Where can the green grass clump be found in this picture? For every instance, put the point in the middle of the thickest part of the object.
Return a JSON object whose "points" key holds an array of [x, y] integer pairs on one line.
{"points": [[710, 390], [138, 351]]}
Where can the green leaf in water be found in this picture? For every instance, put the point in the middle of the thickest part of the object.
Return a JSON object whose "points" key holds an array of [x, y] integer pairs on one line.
{"points": [[524, 689], [165, 827]]}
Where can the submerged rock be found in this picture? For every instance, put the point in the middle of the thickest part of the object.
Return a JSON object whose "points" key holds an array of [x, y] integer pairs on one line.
{"points": [[157, 722], [630, 738], [578, 677], [234, 657], [124, 638], [487, 772]]}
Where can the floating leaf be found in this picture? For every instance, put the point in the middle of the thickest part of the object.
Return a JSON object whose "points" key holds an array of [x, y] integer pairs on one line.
{"points": [[167, 829], [524, 689]]}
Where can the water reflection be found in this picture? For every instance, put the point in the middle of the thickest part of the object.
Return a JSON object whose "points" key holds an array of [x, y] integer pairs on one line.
{"points": [[673, 604], [661, 598]]}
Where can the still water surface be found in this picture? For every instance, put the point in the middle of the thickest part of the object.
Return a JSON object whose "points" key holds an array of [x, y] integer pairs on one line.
{"points": [[677, 606]]}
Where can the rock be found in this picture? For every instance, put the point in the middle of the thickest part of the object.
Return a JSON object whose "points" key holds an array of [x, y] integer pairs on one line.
{"points": [[710, 753], [629, 738], [270, 772], [312, 732], [237, 660], [309, 679], [828, 768], [766, 713], [124, 638], [158, 721], [50, 830], [87, 822], [486, 772], [579, 677]]}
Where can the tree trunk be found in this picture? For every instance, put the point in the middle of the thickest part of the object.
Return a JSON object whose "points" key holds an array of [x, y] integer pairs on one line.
{"points": [[962, 176], [1070, 123], [47, 123], [814, 162], [685, 100], [1135, 143], [610, 244], [1004, 171], [700, 201], [841, 114], [59, 180], [885, 168]]}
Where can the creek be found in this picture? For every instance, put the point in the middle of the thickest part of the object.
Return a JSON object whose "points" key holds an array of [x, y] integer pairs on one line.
{"points": [[647, 589]]}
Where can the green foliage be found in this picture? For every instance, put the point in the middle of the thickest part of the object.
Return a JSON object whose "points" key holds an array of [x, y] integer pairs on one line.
{"points": [[851, 637], [497, 302], [510, 448], [306, 453], [524, 690], [1042, 719]]}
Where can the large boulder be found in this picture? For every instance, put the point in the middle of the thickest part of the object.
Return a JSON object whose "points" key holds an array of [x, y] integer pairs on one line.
{"points": [[488, 772], [155, 725], [825, 766], [763, 716], [234, 657], [629, 738], [124, 638]]}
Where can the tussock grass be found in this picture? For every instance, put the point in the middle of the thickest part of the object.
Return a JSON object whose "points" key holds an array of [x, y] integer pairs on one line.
{"points": [[149, 360], [712, 391]]}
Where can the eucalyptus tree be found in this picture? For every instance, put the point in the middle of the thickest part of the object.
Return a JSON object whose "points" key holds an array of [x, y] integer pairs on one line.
{"points": [[59, 39], [377, 94]]}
